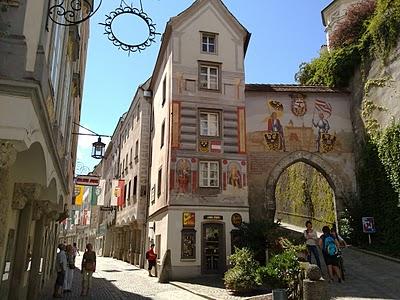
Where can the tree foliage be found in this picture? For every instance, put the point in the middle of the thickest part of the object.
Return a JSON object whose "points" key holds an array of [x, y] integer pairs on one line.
{"points": [[352, 26]]}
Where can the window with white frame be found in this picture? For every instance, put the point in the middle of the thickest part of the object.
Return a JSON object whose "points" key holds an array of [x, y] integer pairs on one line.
{"points": [[209, 174], [209, 123], [209, 77], [208, 42]]}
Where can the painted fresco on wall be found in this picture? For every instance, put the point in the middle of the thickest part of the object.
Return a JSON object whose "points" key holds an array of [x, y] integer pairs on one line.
{"points": [[234, 177], [274, 136], [183, 175], [293, 122]]}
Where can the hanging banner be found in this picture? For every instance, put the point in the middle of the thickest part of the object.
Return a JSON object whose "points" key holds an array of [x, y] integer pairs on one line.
{"points": [[121, 196], [94, 195], [115, 192], [86, 194], [76, 219], [100, 191], [79, 189]]}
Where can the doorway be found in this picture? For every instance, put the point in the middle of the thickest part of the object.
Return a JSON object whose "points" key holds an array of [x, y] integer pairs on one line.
{"points": [[213, 248]]}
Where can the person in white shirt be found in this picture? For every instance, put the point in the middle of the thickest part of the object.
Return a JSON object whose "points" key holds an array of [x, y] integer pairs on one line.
{"points": [[312, 243], [61, 267]]}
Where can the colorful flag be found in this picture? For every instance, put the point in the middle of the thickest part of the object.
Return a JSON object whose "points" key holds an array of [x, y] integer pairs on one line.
{"points": [[100, 191], [323, 106], [121, 197], [78, 194], [94, 194], [86, 194], [115, 192], [76, 219]]}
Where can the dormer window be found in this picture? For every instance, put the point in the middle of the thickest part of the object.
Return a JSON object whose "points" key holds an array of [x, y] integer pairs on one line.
{"points": [[208, 42]]}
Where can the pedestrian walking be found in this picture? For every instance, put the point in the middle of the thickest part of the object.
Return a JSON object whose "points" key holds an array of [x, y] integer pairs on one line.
{"points": [[76, 250], [69, 274], [152, 260], [312, 243], [61, 268], [330, 248], [88, 267]]}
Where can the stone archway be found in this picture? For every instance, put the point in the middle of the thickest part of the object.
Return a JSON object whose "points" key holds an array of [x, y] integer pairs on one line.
{"points": [[331, 174]]}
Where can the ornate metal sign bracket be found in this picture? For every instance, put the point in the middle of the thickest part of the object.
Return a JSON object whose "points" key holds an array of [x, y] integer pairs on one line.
{"points": [[74, 12], [69, 13], [125, 9]]}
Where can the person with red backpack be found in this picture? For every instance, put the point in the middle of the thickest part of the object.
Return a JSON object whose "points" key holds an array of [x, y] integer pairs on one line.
{"points": [[152, 260], [330, 246]]}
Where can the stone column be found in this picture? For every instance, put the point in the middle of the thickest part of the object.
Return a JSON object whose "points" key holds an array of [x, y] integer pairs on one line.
{"points": [[25, 194], [37, 254]]}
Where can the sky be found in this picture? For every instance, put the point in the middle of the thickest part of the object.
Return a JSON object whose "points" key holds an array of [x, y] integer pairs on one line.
{"points": [[284, 33]]}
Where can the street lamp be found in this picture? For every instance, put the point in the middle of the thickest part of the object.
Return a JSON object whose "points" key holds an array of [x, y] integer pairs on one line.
{"points": [[97, 147]]}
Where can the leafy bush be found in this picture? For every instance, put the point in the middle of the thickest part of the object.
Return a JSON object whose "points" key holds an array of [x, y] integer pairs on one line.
{"points": [[282, 271], [333, 68], [258, 235], [350, 29], [374, 36], [384, 27], [242, 276]]}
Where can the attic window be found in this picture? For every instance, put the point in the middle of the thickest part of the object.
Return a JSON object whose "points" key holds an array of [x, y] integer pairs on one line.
{"points": [[208, 42]]}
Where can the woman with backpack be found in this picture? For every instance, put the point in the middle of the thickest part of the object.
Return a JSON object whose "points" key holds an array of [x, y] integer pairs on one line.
{"points": [[88, 267], [330, 246]]}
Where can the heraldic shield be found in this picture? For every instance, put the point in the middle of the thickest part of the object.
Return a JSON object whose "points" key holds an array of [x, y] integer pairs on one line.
{"points": [[327, 142], [273, 141]]}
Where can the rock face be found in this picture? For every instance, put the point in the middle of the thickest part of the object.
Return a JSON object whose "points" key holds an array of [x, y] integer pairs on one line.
{"points": [[313, 273], [165, 268], [313, 290]]}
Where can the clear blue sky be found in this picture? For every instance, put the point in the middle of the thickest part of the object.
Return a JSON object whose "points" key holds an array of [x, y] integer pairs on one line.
{"points": [[284, 34]]}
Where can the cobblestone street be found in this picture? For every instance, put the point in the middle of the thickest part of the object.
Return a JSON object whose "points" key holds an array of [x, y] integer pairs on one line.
{"points": [[367, 277]]}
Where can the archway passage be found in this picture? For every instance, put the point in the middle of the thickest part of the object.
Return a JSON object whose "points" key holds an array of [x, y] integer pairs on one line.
{"points": [[303, 193]]}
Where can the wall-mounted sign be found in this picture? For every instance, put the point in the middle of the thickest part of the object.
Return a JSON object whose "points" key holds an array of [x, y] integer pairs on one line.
{"points": [[368, 225], [106, 208], [188, 219], [87, 180], [236, 220], [213, 217]]}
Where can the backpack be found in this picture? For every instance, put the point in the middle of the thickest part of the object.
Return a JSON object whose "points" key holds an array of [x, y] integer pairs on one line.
{"points": [[330, 246]]}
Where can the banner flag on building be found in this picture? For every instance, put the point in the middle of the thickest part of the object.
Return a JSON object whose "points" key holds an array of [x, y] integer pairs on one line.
{"points": [[100, 192], [115, 192], [121, 197], [78, 195], [94, 195], [76, 218], [86, 194]]}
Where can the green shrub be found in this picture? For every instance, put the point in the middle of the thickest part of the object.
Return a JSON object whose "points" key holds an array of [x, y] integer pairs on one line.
{"points": [[282, 271], [243, 274]]}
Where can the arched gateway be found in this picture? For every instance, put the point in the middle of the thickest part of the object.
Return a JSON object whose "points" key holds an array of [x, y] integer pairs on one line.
{"points": [[287, 124]]}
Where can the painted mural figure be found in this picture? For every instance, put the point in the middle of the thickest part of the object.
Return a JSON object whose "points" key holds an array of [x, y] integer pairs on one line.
{"points": [[274, 125], [183, 172], [234, 176], [323, 127]]}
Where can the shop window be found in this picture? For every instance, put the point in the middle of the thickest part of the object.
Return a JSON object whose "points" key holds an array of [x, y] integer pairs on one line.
{"points": [[188, 248]]}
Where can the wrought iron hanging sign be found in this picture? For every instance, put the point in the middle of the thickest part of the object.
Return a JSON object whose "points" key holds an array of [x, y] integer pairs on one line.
{"points": [[124, 10], [74, 12], [69, 13]]}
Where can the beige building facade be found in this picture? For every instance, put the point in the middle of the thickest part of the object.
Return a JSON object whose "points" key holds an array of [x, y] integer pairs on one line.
{"points": [[41, 80], [199, 164]]}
